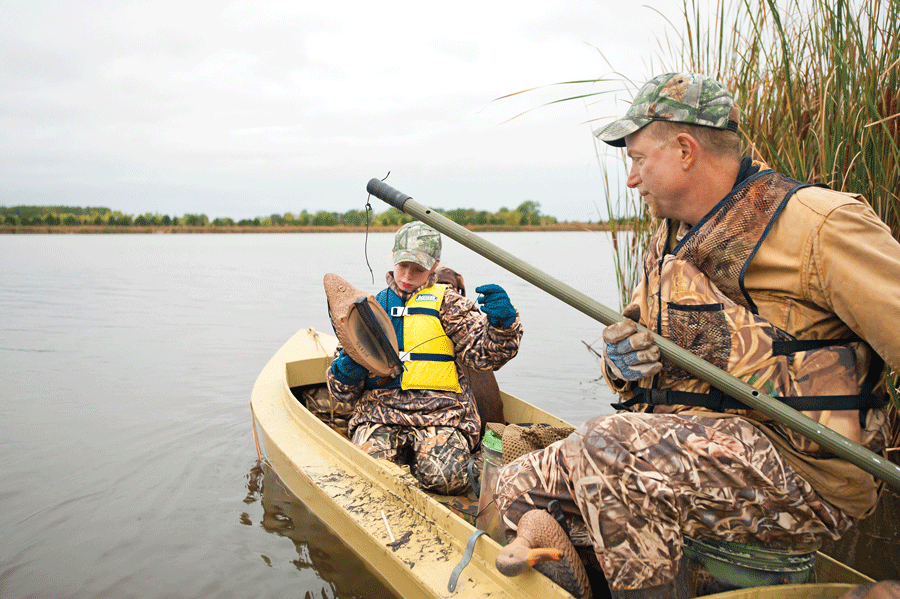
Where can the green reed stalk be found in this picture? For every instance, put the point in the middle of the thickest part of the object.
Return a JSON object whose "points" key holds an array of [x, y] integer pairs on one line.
{"points": [[630, 227]]}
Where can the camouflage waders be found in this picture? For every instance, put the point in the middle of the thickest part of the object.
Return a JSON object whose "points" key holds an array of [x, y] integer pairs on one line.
{"points": [[438, 455], [632, 484]]}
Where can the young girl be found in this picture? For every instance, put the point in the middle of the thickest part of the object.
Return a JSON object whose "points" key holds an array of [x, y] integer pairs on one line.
{"points": [[427, 415]]}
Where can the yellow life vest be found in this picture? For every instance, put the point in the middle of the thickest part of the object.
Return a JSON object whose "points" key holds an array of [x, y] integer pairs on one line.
{"points": [[426, 350]]}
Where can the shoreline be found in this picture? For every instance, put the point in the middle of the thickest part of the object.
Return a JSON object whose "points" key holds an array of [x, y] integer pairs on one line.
{"points": [[181, 229]]}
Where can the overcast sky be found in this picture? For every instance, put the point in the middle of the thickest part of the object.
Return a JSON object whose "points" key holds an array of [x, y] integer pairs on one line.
{"points": [[242, 109]]}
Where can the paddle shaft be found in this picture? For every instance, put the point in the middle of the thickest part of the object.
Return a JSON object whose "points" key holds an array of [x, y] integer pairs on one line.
{"points": [[841, 446]]}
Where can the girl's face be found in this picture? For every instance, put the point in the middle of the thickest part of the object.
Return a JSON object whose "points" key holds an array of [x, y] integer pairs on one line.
{"points": [[410, 276]]}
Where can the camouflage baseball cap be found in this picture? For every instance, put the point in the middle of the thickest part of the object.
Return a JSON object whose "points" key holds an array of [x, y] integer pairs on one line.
{"points": [[677, 97], [419, 243]]}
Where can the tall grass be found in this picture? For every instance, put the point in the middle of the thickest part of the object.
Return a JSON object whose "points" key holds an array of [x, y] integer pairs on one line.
{"points": [[630, 232], [816, 82]]}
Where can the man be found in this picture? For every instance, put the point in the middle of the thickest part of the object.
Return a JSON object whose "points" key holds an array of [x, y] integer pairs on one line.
{"points": [[789, 287], [428, 411]]}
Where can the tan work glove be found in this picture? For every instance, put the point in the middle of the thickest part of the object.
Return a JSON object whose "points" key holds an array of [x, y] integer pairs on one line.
{"points": [[630, 355]]}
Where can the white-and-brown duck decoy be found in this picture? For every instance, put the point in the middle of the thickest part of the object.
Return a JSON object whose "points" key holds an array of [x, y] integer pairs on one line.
{"points": [[542, 544]]}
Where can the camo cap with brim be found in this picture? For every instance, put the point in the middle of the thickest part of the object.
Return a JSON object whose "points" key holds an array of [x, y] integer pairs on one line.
{"points": [[678, 98], [419, 243]]}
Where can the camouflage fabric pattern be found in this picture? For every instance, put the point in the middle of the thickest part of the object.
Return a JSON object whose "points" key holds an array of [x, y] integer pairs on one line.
{"points": [[631, 485], [417, 242], [734, 339], [437, 455], [336, 414], [677, 97], [477, 345], [721, 245], [464, 505], [706, 311]]}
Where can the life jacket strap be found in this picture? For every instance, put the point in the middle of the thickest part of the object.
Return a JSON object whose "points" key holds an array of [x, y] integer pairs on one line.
{"points": [[786, 348], [717, 401], [398, 311], [383, 382], [424, 357]]}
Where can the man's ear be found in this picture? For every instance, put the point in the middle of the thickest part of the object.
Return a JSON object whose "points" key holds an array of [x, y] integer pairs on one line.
{"points": [[689, 148]]}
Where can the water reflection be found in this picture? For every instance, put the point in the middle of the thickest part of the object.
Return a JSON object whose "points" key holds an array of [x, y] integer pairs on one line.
{"points": [[343, 574]]}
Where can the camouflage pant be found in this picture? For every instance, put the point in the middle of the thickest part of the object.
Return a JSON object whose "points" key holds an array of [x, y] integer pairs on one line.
{"points": [[437, 455], [632, 484]]}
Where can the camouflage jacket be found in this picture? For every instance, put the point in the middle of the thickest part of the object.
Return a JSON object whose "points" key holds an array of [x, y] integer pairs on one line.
{"points": [[828, 269], [477, 344]]}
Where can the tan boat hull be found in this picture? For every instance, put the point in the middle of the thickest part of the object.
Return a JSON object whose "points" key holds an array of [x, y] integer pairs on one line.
{"points": [[349, 491]]}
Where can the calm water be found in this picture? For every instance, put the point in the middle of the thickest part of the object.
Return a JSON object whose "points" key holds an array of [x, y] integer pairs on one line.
{"points": [[126, 364]]}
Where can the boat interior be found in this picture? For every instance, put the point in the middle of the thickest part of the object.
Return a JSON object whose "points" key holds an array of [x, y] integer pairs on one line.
{"points": [[712, 570]]}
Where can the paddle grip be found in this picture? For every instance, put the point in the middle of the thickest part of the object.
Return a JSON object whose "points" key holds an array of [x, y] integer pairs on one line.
{"points": [[387, 194]]}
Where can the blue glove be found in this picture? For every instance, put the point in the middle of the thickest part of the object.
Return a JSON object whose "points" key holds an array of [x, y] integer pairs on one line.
{"points": [[496, 305], [347, 370], [630, 355]]}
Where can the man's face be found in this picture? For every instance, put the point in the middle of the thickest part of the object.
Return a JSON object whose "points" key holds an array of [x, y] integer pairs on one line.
{"points": [[656, 171], [410, 276]]}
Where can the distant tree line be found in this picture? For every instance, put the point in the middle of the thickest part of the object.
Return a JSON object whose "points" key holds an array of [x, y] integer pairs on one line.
{"points": [[527, 213]]}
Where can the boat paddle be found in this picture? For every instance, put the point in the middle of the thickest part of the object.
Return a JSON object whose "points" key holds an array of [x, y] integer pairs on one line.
{"points": [[841, 446]]}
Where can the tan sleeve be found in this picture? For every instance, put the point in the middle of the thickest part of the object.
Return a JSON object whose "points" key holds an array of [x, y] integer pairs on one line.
{"points": [[856, 265]]}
